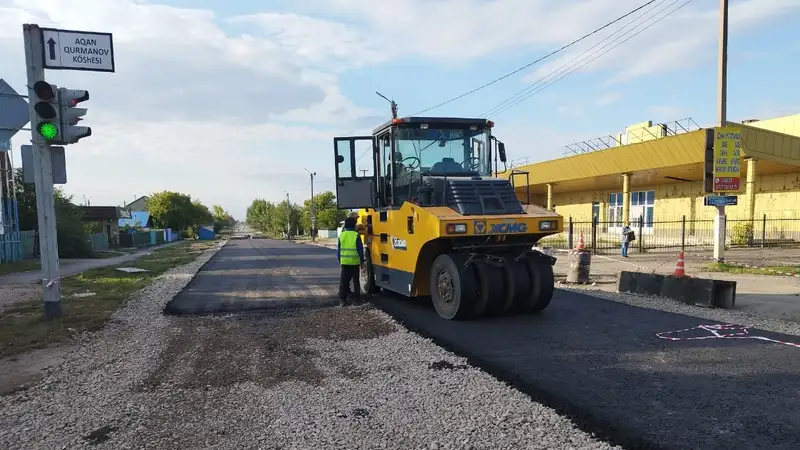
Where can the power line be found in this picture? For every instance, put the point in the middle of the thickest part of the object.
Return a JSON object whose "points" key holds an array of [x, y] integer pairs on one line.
{"points": [[538, 60], [527, 88], [501, 110]]}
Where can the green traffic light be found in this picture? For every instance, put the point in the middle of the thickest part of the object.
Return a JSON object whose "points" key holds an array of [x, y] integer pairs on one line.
{"points": [[47, 130]]}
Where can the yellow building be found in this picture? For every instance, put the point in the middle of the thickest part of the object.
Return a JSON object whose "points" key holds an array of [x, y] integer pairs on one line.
{"points": [[658, 172]]}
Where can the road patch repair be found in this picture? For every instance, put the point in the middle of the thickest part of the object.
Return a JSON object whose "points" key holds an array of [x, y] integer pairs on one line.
{"points": [[245, 277]]}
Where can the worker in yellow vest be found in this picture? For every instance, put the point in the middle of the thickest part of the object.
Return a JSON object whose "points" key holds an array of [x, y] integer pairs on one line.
{"points": [[351, 255]]}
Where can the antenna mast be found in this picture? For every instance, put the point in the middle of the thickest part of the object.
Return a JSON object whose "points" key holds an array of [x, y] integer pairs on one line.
{"points": [[392, 103]]}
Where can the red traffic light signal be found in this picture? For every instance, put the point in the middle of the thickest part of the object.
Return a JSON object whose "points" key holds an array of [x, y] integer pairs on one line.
{"points": [[78, 96], [44, 91]]}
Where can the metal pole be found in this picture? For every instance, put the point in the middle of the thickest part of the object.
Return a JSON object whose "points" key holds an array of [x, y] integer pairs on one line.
{"points": [[43, 173], [312, 216], [288, 220], [722, 105]]}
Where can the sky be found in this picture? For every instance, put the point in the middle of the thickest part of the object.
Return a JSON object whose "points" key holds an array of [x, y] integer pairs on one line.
{"points": [[230, 101]]}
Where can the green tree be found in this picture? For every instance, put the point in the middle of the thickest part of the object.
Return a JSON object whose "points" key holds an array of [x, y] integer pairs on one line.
{"points": [[328, 215], [259, 215], [279, 218], [178, 211], [70, 231], [222, 220]]}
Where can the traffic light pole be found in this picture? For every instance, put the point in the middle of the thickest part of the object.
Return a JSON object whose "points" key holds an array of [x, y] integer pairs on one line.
{"points": [[43, 173]]}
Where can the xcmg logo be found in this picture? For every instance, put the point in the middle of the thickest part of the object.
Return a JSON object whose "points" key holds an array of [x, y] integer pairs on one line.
{"points": [[508, 228]]}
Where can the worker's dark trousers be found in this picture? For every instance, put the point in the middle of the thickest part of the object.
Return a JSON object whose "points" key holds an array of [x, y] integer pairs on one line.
{"points": [[349, 273]]}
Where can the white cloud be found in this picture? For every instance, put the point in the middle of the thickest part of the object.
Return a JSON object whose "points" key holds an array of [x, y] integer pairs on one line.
{"points": [[686, 38], [198, 105], [462, 30], [324, 44], [194, 108]]}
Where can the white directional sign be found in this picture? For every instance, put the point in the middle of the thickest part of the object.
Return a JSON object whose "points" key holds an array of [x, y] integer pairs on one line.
{"points": [[77, 50]]}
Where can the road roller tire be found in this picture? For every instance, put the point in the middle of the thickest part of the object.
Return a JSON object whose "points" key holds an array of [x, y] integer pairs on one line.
{"points": [[453, 287], [366, 276], [486, 280], [524, 293], [543, 283], [501, 288]]}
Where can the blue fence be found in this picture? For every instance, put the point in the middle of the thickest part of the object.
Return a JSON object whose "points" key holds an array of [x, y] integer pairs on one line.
{"points": [[10, 248]]}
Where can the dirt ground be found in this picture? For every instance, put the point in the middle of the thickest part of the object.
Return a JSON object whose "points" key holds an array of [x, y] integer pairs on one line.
{"points": [[24, 369], [16, 293]]}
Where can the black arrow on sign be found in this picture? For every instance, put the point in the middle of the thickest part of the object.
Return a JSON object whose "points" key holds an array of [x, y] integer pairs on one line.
{"points": [[52, 47]]}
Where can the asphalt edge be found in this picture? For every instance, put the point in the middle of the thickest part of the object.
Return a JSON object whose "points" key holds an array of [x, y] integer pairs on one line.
{"points": [[167, 310], [584, 420]]}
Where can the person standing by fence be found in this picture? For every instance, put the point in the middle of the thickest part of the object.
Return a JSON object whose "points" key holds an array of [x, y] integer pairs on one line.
{"points": [[628, 236]]}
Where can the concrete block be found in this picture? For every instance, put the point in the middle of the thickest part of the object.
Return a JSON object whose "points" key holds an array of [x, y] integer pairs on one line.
{"points": [[639, 283], [691, 291], [724, 294]]}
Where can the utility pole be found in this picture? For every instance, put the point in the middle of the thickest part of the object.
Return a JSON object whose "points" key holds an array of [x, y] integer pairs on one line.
{"points": [[313, 216], [288, 219], [43, 178], [722, 118]]}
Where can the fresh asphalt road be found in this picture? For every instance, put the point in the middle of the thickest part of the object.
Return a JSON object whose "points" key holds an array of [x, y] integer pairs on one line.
{"points": [[598, 361]]}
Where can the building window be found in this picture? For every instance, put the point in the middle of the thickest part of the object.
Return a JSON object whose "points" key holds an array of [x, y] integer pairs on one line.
{"points": [[615, 209], [642, 205]]}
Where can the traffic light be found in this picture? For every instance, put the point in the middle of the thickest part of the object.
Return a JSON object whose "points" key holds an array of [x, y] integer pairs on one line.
{"points": [[70, 115], [47, 111]]}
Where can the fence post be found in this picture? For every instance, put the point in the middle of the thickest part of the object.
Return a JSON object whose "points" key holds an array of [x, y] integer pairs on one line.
{"points": [[683, 233], [594, 235], [763, 230], [569, 236], [641, 241]]}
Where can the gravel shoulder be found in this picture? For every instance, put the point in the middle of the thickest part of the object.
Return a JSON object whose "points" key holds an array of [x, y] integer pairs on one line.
{"points": [[322, 378]]}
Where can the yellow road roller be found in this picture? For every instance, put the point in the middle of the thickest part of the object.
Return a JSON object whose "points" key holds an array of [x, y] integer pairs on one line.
{"points": [[437, 220]]}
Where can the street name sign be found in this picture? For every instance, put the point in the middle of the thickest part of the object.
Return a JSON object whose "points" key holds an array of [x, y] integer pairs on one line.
{"points": [[14, 112], [721, 200], [77, 50]]}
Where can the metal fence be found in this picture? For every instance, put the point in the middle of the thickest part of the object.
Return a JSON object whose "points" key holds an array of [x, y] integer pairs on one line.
{"points": [[681, 234], [138, 238], [9, 230]]}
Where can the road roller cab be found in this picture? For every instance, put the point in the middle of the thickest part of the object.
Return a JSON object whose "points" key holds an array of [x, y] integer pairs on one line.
{"points": [[435, 222]]}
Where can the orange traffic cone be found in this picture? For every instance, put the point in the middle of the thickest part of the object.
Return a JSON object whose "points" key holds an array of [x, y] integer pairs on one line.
{"points": [[679, 268], [580, 241]]}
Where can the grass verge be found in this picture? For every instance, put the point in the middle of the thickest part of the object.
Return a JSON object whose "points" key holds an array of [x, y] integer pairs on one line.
{"points": [[23, 328], [768, 270], [19, 266]]}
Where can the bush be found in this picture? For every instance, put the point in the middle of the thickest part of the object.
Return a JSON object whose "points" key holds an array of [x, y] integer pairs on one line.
{"points": [[72, 242], [742, 234]]}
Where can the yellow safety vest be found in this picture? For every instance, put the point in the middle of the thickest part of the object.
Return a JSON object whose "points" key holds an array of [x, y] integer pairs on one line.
{"points": [[348, 252]]}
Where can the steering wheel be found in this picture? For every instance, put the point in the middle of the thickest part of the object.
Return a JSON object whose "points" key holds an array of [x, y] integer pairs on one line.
{"points": [[411, 166], [472, 164]]}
